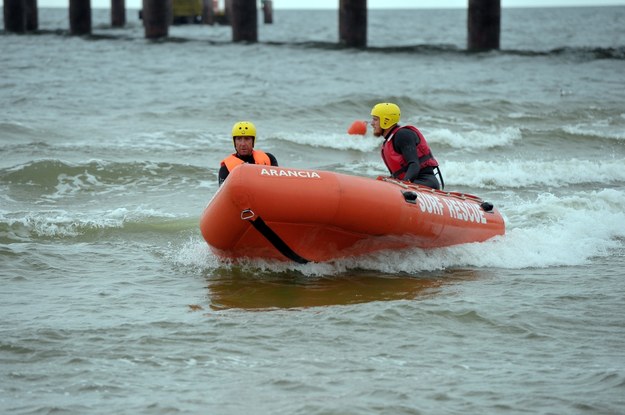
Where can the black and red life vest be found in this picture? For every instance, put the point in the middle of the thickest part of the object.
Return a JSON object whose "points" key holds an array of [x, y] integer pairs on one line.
{"points": [[396, 163]]}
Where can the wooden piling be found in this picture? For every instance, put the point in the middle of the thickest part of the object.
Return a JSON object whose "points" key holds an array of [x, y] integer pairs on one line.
{"points": [[267, 11], [208, 14], [156, 18], [32, 16], [15, 16], [484, 24], [80, 17], [244, 20], [353, 23], [227, 17], [118, 13]]}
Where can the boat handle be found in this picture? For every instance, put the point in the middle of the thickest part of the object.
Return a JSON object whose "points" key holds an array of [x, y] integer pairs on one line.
{"points": [[247, 214]]}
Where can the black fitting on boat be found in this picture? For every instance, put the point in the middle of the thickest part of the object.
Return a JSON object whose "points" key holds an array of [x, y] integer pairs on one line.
{"points": [[487, 206], [410, 196]]}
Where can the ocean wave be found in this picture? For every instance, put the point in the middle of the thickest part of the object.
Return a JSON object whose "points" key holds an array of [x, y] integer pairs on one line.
{"points": [[600, 129], [511, 175], [183, 142], [472, 140], [578, 54], [337, 141], [519, 174], [553, 230], [185, 35], [476, 140], [57, 178], [19, 129], [575, 53], [16, 133], [569, 52], [63, 224]]}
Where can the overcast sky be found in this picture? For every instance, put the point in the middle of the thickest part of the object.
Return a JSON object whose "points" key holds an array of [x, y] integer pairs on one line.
{"points": [[373, 4]]}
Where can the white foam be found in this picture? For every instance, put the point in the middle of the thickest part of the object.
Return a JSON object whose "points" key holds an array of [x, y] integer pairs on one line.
{"points": [[62, 223], [70, 185], [54, 224], [364, 143], [600, 129], [193, 253], [470, 140], [174, 140], [526, 173], [474, 139]]}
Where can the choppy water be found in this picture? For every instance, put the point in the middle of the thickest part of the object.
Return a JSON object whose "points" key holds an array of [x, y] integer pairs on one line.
{"points": [[110, 145]]}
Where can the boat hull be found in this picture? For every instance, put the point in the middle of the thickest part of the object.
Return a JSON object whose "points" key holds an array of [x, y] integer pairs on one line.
{"points": [[320, 216]]}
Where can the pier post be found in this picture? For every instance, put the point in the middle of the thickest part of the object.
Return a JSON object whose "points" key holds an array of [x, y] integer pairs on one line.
{"points": [[353, 23], [484, 24], [15, 16], [80, 17], [208, 14], [244, 20], [267, 11], [118, 13], [228, 12], [156, 18], [32, 17]]}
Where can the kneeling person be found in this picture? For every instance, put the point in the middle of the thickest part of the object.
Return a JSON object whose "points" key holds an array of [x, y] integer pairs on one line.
{"points": [[405, 152]]}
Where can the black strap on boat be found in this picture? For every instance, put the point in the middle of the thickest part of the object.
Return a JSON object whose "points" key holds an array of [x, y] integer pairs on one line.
{"points": [[440, 176], [264, 229], [437, 172]]}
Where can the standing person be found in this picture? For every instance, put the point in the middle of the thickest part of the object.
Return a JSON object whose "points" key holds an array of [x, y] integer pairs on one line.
{"points": [[405, 152], [243, 138]]}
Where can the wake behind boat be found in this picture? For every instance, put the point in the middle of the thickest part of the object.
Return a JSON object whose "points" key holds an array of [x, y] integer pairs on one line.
{"points": [[314, 215]]}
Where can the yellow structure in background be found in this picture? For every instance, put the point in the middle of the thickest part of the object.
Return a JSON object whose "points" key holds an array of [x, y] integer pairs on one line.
{"points": [[187, 11]]}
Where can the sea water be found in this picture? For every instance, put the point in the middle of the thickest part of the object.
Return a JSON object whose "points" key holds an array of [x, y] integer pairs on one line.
{"points": [[110, 144]]}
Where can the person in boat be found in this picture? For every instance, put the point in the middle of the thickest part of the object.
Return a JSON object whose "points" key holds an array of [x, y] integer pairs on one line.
{"points": [[243, 138], [405, 151]]}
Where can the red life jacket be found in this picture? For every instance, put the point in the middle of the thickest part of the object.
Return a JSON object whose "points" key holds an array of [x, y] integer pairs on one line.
{"points": [[396, 163], [233, 161]]}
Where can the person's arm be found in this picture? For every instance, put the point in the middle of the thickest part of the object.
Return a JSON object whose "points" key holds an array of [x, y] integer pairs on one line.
{"points": [[405, 143], [272, 159], [223, 173]]}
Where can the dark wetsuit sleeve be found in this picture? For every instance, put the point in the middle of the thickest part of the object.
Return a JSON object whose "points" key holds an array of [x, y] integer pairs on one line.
{"points": [[272, 159], [223, 173], [405, 143]]}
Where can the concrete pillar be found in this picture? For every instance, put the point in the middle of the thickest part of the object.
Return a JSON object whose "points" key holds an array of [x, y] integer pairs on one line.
{"points": [[244, 20], [156, 18], [118, 13], [15, 16], [32, 17], [80, 17], [484, 24], [267, 11], [353, 23]]}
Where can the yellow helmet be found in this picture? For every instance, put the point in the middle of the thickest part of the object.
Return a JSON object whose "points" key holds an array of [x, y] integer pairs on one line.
{"points": [[244, 129], [388, 113]]}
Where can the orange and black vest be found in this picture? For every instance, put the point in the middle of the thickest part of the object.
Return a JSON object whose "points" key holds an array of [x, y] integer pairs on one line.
{"points": [[396, 163], [232, 160]]}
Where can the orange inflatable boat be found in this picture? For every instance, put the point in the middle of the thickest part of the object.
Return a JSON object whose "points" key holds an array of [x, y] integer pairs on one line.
{"points": [[313, 215]]}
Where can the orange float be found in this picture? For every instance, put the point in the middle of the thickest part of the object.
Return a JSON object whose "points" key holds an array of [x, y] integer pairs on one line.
{"points": [[357, 128], [313, 215]]}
